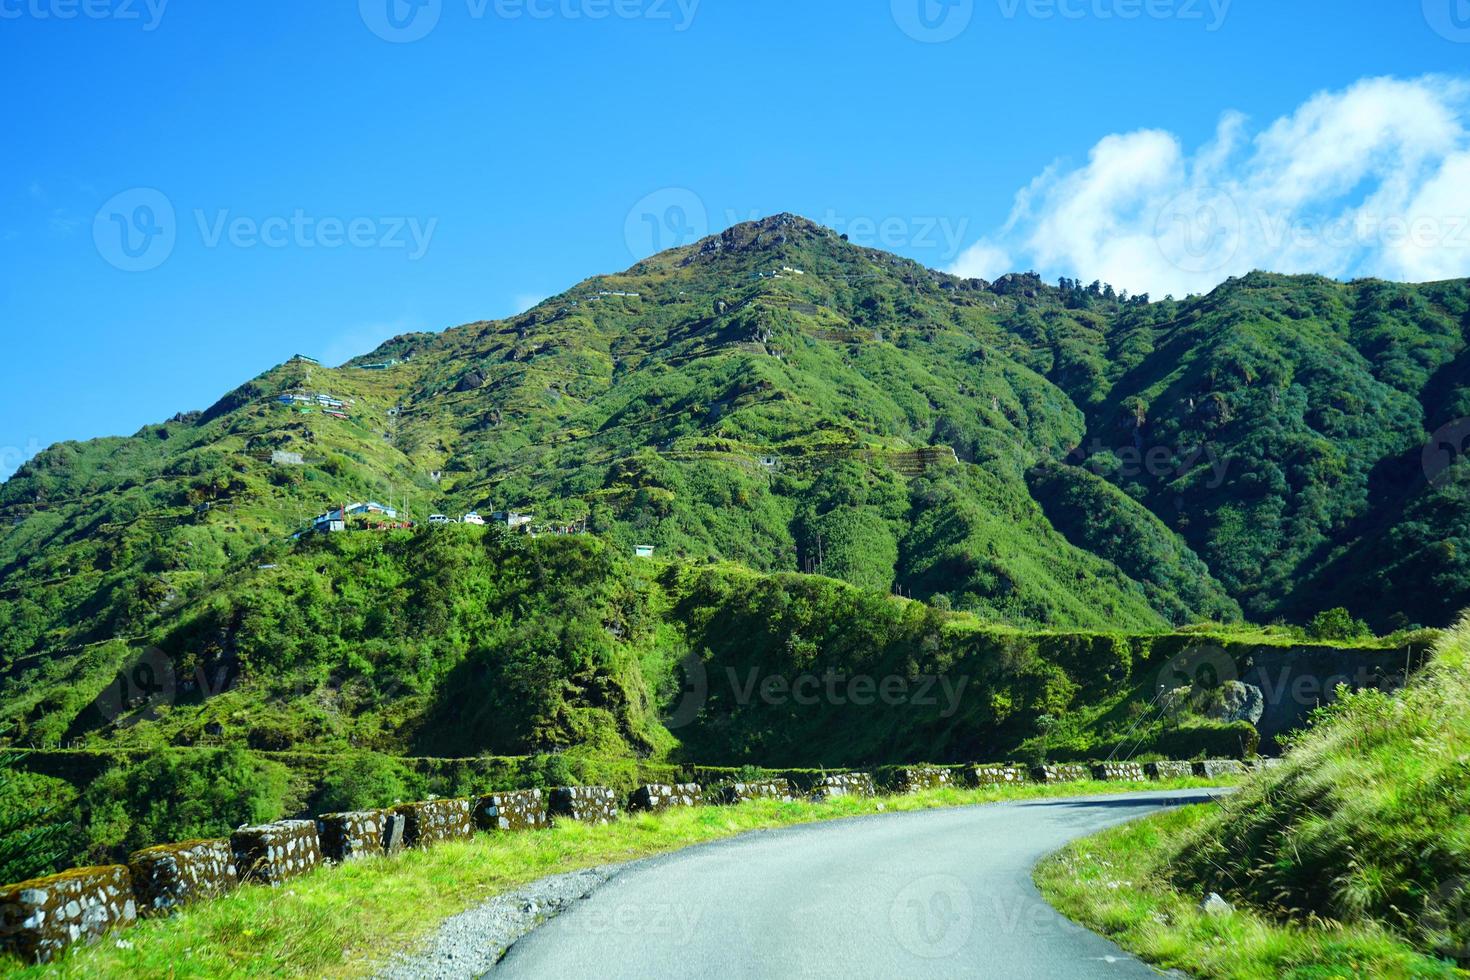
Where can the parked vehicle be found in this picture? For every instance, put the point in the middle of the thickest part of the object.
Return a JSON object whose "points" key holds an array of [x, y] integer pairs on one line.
{"points": [[439, 519], [473, 518]]}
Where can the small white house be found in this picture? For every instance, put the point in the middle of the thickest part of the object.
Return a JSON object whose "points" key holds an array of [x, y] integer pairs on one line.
{"points": [[643, 550]]}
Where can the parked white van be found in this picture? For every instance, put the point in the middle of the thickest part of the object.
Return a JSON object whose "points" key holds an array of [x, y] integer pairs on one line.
{"points": [[473, 518], [439, 519]]}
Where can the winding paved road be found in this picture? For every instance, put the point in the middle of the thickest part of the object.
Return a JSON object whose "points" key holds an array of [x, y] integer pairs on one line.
{"points": [[938, 893]]}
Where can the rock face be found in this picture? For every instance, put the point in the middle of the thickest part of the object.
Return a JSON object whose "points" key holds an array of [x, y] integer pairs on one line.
{"points": [[523, 810], [1060, 772], [1210, 768], [1118, 772], [994, 775], [348, 836], [763, 789], [587, 804], [276, 852], [845, 784], [911, 779], [426, 824], [172, 875], [656, 796], [41, 917], [1238, 702], [1168, 770]]}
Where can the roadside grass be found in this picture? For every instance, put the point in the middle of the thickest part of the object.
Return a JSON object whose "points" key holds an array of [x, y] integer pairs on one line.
{"points": [[1115, 883], [348, 920]]}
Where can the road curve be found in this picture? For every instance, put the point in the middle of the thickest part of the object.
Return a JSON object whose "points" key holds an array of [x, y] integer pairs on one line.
{"points": [[936, 893]]}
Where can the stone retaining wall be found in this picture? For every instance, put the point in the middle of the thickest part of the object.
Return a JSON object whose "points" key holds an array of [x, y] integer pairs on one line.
{"points": [[586, 804], [276, 852], [912, 779], [435, 821], [347, 836], [1118, 772], [1061, 772], [762, 789], [172, 875], [41, 917], [1168, 770], [1000, 775], [657, 796], [524, 810], [845, 784]]}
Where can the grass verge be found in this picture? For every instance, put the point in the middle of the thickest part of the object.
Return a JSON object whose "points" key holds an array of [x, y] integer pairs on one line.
{"points": [[344, 921], [1114, 883]]}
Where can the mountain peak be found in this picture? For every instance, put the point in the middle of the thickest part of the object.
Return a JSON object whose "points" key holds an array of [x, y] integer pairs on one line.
{"points": [[760, 235]]}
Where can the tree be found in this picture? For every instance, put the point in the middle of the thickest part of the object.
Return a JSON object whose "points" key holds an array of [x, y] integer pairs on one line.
{"points": [[32, 839], [1337, 624]]}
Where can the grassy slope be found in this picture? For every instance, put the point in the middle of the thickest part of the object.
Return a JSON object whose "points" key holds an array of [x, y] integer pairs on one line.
{"points": [[1118, 884], [344, 921], [1365, 825]]}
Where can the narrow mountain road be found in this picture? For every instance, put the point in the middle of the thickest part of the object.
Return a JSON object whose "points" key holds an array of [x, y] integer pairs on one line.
{"points": [[939, 893]]}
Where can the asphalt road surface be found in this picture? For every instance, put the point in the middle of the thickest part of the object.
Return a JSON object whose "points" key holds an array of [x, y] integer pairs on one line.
{"points": [[938, 893]]}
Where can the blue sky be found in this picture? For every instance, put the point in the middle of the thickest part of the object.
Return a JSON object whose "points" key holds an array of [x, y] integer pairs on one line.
{"points": [[191, 192]]}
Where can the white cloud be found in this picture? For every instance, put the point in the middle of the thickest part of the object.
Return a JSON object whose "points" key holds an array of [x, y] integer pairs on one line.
{"points": [[1370, 180]]}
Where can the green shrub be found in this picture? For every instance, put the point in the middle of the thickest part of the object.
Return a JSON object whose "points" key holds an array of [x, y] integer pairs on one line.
{"points": [[363, 781], [177, 796]]}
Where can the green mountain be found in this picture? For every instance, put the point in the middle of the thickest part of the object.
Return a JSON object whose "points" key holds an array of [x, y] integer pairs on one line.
{"points": [[778, 398]]}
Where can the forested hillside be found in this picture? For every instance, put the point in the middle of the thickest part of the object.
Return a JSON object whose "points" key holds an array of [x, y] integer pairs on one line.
{"points": [[773, 397]]}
